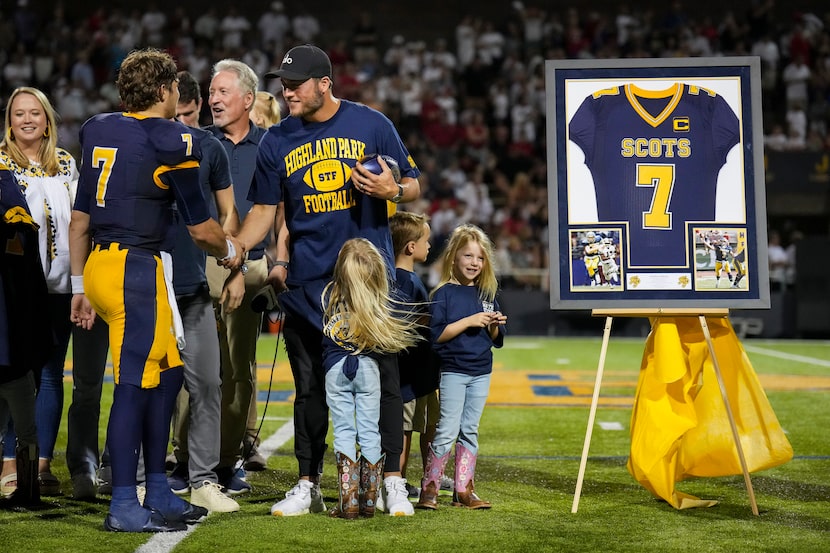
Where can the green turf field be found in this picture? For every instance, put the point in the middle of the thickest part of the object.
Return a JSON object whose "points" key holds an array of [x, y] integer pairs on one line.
{"points": [[531, 440]]}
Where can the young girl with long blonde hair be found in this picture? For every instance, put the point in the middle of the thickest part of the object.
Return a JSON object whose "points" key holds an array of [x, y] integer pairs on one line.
{"points": [[360, 322], [465, 324]]}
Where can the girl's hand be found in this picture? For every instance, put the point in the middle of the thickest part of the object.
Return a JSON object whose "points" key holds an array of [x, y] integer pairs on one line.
{"points": [[496, 319], [479, 320]]}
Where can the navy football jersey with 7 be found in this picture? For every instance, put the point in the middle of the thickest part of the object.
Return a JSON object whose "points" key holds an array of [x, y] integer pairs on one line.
{"points": [[132, 170], [655, 157]]}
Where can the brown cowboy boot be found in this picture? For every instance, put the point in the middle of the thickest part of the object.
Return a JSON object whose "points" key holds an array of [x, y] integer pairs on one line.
{"points": [[348, 483], [431, 483], [370, 476], [465, 468]]}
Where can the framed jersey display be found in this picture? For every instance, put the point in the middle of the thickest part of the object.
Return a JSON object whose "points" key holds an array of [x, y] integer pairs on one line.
{"points": [[655, 184]]}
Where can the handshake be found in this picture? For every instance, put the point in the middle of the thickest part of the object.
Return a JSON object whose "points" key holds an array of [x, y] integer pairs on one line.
{"points": [[235, 256]]}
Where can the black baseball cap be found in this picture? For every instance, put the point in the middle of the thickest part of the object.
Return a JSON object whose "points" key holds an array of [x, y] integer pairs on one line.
{"points": [[302, 63]]}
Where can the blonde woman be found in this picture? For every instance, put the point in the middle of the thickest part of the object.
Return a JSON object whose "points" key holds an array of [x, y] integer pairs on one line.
{"points": [[266, 110], [48, 177], [465, 323]]}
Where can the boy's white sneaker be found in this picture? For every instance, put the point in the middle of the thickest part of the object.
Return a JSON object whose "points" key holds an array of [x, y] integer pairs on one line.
{"points": [[302, 499], [394, 498]]}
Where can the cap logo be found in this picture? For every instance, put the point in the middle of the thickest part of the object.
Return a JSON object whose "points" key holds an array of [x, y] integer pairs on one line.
{"points": [[287, 59]]}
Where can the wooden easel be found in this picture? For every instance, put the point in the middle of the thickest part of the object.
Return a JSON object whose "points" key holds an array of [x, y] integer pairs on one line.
{"points": [[609, 315]]}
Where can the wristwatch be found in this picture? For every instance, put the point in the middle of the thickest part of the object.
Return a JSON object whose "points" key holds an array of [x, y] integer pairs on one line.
{"points": [[399, 196]]}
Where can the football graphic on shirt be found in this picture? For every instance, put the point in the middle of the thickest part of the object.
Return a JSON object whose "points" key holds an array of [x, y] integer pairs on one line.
{"points": [[328, 175]]}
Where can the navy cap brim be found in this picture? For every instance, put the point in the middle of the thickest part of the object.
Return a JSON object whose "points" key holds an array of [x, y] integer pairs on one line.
{"points": [[288, 75]]}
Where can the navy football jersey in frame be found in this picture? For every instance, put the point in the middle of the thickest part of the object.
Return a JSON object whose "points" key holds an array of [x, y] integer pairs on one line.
{"points": [[133, 169], [654, 157]]}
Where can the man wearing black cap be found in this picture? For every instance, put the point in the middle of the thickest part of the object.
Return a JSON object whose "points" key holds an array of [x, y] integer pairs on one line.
{"points": [[310, 164]]}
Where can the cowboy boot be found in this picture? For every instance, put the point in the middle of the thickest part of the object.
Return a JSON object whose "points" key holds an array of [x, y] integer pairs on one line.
{"points": [[465, 468], [348, 484], [370, 477], [27, 493], [431, 483]]}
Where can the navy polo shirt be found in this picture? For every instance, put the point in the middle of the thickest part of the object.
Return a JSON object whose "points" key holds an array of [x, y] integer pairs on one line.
{"points": [[242, 158], [188, 259]]}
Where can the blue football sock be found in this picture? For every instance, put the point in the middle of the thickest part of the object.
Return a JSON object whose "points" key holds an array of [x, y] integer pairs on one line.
{"points": [[126, 508], [160, 497]]}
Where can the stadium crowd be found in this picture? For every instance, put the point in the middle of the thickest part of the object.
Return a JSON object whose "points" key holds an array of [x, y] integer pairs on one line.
{"points": [[469, 106]]}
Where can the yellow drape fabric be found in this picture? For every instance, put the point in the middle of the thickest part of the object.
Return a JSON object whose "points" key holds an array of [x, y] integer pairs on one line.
{"points": [[679, 424]]}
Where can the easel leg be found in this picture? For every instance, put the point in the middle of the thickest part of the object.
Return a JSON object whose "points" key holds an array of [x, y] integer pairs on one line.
{"points": [[592, 414], [732, 424]]}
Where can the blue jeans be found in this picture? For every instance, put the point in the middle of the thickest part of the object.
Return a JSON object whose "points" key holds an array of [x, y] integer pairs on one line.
{"points": [[49, 403], [462, 398], [355, 409]]}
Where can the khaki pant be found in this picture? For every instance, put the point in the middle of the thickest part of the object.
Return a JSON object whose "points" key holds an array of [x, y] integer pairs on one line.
{"points": [[238, 333]]}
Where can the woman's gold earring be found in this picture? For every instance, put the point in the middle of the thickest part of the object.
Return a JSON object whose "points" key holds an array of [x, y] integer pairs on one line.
{"points": [[46, 133]]}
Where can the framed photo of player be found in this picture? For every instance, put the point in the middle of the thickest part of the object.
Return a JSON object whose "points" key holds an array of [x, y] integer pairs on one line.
{"points": [[655, 184]]}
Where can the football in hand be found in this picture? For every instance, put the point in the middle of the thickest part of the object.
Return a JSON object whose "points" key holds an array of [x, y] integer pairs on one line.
{"points": [[371, 163]]}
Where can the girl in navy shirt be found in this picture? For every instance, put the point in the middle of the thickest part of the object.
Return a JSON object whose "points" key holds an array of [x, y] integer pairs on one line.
{"points": [[465, 325]]}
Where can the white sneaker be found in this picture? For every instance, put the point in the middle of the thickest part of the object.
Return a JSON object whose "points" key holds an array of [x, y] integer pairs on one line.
{"points": [[209, 495], [302, 499], [394, 498]]}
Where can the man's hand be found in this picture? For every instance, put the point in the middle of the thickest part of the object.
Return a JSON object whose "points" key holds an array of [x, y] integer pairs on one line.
{"points": [[233, 291], [276, 277], [381, 186], [235, 256]]}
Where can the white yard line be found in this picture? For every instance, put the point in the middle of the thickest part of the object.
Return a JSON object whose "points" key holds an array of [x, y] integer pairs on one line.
{"points": [[788, 356], [166, 542]]}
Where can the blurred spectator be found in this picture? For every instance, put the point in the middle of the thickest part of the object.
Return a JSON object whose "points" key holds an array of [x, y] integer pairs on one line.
{"points": [[766, 49], [153, 23], [776, 140], [26, 25], [206, 25], [796, 121], [476, 137], [305, 27], [273, 25], [233, 26], [18, 71], [465, 41], [778, 262], [794, 239], [365, 40], [796, 76]]}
